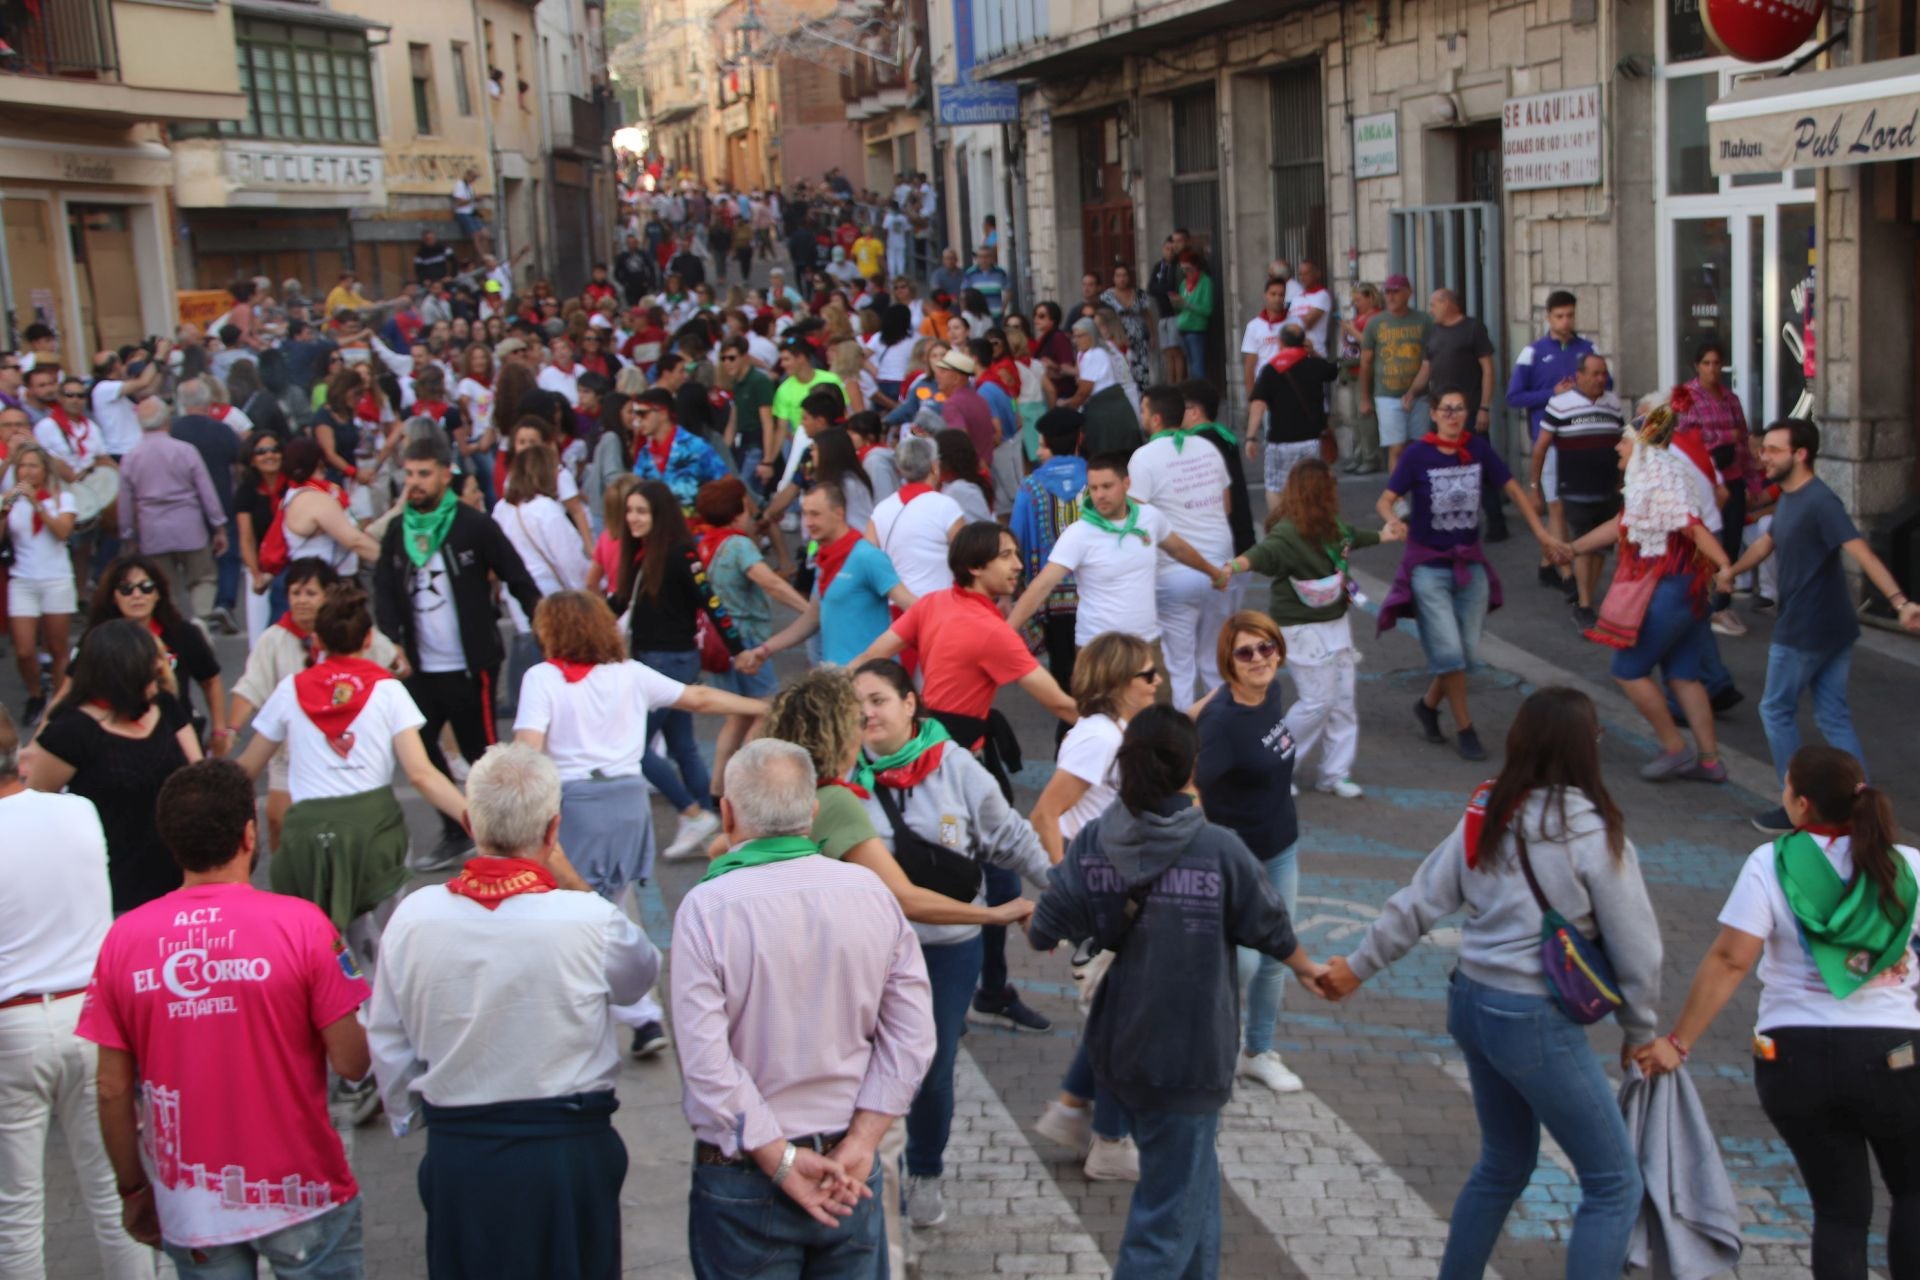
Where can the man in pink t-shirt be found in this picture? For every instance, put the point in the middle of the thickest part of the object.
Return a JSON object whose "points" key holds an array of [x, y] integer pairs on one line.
{"points": [[219, 1008]]}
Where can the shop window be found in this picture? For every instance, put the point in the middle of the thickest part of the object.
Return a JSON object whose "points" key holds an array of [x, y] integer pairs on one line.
{"points": [[1689, 158], [303, 83], [462, 80], [420, 70], [1299, 167]]}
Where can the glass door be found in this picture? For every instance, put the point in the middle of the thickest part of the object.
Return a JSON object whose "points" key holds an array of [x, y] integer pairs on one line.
{"points": [[1742, 278]]}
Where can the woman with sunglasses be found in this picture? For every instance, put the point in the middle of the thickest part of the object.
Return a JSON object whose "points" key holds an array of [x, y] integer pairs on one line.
{"points": [[1245, 780], [263, 482], [1445, 582], [134, 587], [1530, 1065], [114, 735]]}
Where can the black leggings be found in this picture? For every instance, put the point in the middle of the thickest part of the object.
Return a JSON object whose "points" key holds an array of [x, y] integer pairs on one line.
{"points": [[1832, 1097]]}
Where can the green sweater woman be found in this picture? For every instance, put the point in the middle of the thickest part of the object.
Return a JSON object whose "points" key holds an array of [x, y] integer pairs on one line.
{"points": [[1196, 312], [1305, 553]]}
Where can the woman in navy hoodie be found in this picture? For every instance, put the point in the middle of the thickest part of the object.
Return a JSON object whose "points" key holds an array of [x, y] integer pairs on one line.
{"points": [[1171, 895]]}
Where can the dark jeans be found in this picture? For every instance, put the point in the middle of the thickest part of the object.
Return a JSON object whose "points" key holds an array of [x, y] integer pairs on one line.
{"points": [[739, 1224], [1733, 520], [1062, 653], [1173, 1224], [226, 592], [1833, 1098], [463, 701], [1496, 523], [1109, 1117], [1002, 886], [952, 968], [692, 784]]}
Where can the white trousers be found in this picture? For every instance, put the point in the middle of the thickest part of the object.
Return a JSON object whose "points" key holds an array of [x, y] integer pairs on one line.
{"points": [[1191, 615], [47, 1071], [1324, 715]]}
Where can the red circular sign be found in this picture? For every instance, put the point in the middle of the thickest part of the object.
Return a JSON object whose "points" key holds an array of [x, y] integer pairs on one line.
{"points": [[1761, 30]]}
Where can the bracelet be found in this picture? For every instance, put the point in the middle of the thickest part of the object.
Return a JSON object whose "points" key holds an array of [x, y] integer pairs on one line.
{"points": [[128, 1194], [1899, 600], [785, 1166], [221, 733], [1677, 1046]]}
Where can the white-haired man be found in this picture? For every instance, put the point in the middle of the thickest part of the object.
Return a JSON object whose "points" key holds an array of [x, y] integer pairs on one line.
{"points": [[492, 1014], [915, 524], [791, 1079]]}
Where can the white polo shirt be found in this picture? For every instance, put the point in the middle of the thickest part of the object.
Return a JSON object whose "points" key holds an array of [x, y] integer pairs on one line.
{"points": [[56, 910]]}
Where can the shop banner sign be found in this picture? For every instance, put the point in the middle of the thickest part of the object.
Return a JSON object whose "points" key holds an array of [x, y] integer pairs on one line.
{"points": [[967, 100], [1885, 128], [1376, 145], [1551, 140]]}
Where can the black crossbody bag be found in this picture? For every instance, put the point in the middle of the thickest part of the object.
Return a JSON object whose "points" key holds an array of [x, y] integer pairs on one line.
{"points": [[927, 864]]}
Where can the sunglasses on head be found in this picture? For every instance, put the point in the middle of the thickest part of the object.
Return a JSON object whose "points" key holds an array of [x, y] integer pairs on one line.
{"points": [[144, 587], [1248, 652]]}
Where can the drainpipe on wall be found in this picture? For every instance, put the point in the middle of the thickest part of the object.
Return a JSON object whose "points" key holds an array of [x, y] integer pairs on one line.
{"points": [[7, 327], [501, 249]]}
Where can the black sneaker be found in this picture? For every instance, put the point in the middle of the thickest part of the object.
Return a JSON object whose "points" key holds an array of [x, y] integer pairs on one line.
{"points": [[1763, 604], [1496, 535], [1726, 700], [1584, 617], [445, 856], [1467, 743], [1429, 718], [35, 705], [1774, 822], [1549, 576], [1006, 1010], [649, 1038]]}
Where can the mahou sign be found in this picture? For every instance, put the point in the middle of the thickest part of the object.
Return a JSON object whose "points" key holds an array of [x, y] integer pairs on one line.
{"points": [[1760, 30]]}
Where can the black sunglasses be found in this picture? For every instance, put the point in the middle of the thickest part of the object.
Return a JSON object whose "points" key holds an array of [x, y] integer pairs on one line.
{"points": [[1151, 675], [266, 449], [145, 587], [1248, 652]]}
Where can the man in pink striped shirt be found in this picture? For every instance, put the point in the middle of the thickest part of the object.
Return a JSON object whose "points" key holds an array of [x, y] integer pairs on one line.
{"points": [[804, 1022]]}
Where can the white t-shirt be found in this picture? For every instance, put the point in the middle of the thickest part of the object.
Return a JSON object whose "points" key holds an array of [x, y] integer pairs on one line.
{"points": [[476, 400], [762, 351], [39, 557], [1114, 576], [119, 425], [565, 381], [1190, 486], [315, 771], [1262, 339], [1087, 753], [436, 627], [549, 546], [86, 436], [1319, 300], [1096, 366], [914, 536], [892, 363], [1792, 992], [897, 226], [56, 911], [462, 196], [597, 723]]}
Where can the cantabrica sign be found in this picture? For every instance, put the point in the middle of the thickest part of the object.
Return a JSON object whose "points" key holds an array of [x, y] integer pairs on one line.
{"points": [[1551, 140]]}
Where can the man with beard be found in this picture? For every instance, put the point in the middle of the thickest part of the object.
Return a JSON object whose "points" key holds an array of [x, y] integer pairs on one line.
{"points": [[432, 596]]}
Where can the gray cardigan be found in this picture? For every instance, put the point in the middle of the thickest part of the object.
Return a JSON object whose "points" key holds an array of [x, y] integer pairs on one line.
{"points": [[1500, 942]]}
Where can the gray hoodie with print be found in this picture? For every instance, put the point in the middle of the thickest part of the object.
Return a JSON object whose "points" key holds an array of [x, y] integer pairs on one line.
{"points": [[1500, 943]]}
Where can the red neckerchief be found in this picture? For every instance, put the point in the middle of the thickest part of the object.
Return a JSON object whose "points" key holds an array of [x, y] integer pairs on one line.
{"points": [[367, 409], [711, 540], [865, 449], [484, 379], [435, 409], [575, 672], [1447, 446], [1270, 318], [75, 441], [292, 628], [859, 791], [320, 484], [1287, 358], [275, 487], [830, 559], [913, 773], [908, 492], [219, 412], [1477, 819], [1831, 830], [39, 496], [660, 454], [333, 692], [491, 881], [166, 650]]}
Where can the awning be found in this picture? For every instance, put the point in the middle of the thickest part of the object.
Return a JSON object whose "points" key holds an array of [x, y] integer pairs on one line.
{"points": [[1852, 115], [674, 115], [308, 15]]}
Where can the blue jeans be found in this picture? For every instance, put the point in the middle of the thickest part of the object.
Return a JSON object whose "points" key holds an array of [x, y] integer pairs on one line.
{"points": [[1529, 1065], [324, 1248], [1265, 978], [1790, 672], [692, 784], [523, 655], [226, 592], [1003, 886], [1195, 345], [740, 1224], [1109, 1117], [1451, 617], [952, 969], [1173, 1224], [1674, 636]]}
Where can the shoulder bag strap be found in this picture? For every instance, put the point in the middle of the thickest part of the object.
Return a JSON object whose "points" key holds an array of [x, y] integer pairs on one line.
{"points": [[1526, 868], [519, 518]]}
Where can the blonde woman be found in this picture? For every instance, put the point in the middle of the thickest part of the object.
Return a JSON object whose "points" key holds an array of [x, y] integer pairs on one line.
{"points": [[40, 516], [848, 359]]}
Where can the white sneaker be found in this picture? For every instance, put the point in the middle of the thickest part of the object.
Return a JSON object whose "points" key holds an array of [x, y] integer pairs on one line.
{"points": [[1113, 1160], [1293, 788], [692, 837], [1728, 623], [925, 1207], [1071, 1127], [457, 769], [1345, 788], [1269, 1071]]}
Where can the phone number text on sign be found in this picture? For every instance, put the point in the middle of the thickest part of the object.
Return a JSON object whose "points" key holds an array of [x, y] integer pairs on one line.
{"points": [[1551, 140]]}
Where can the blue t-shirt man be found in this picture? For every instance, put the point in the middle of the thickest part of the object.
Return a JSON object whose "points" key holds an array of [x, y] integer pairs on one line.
{"points": [[854, 611], [1810, 525]]}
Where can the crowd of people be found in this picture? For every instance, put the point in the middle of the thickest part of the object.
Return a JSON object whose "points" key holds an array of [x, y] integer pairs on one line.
{"points": [[510, 545]]}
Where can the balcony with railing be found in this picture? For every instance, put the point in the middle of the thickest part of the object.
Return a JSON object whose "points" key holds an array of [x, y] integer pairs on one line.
{"points": [[121, 61], [67, 39], [1028, 38], [583, 126]]}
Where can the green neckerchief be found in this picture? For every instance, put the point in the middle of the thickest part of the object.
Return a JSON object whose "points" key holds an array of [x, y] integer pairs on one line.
{"points": [[758, 853], [1091, 514], [1183, 434], [424, 531], [931, 733], [1336, 550], [1843, 927]]}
